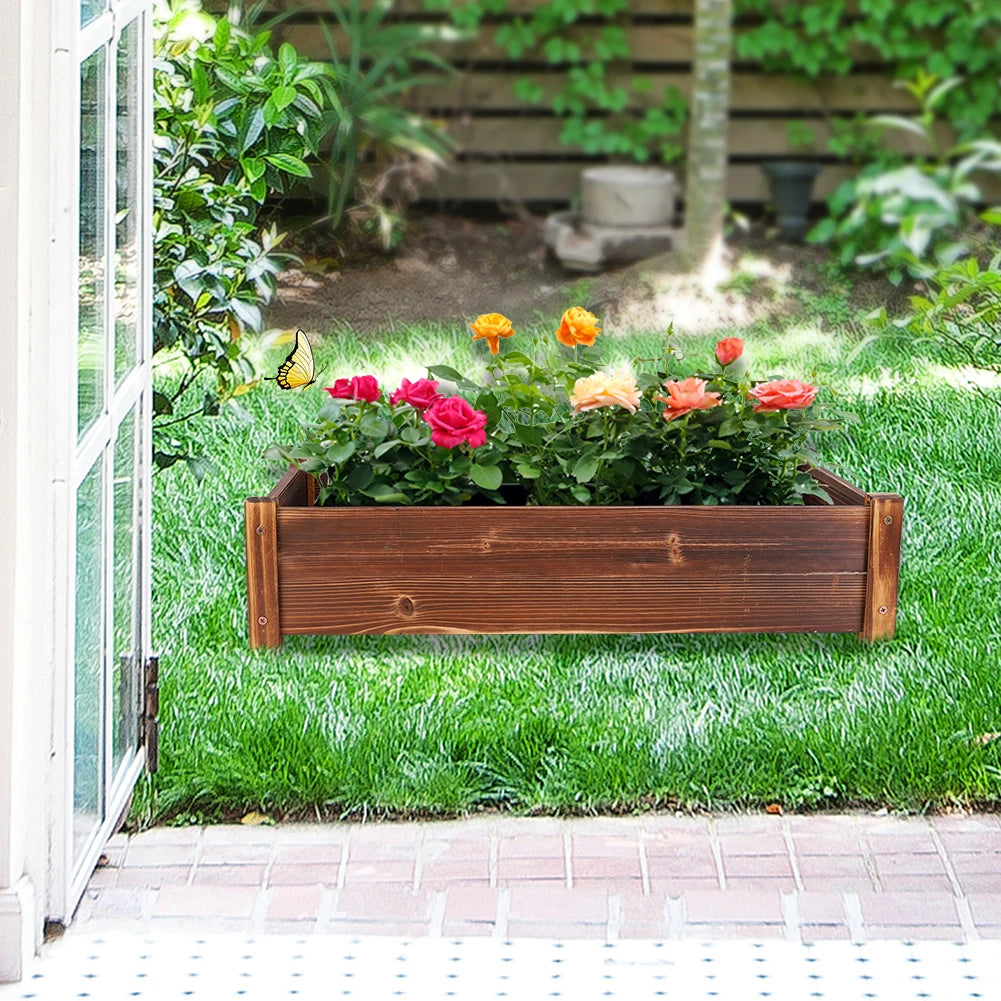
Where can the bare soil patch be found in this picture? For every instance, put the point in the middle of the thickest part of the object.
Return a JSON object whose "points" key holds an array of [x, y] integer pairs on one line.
{"points": [[451, 268]]}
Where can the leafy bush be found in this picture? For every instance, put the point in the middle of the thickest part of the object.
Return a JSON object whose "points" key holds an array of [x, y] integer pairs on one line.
{"points": [[367, 119], [233, 122], [893, 214]]}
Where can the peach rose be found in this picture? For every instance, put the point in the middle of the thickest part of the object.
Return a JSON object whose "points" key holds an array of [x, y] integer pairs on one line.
{"points": [[783, 394], [688, 394], [729, 349], [603, 390], [492, 326], [578, 326]]}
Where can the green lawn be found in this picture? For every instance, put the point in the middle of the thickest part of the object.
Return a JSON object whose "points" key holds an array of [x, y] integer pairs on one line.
{"points": [[434, 724]]}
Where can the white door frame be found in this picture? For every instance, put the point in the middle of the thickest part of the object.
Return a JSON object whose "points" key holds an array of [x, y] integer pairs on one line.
{"points": [[39, 219]]}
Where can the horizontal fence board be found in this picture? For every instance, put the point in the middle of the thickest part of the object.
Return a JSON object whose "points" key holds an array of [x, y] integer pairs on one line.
{"points": [[673, 8], [514, 134], [422, 604], [749, 92], [560, 181]]}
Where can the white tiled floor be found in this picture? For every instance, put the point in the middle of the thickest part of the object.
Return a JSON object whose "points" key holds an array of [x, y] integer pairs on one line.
{"points": [[117, 966]]}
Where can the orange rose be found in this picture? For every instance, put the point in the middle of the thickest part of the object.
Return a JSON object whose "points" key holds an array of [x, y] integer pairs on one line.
{"points": [[783, 394], [689, 394], [729, 349], [578, 326], [492, 326], [600, 390]]}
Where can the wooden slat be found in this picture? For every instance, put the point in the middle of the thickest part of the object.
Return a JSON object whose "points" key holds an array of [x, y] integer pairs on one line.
{"points": [[748, 92], [671, 7], [841, 491], [518, 134], [629, 569], [414, 604], [262, 571], [292, 490], [880, 618], [558, 181]]}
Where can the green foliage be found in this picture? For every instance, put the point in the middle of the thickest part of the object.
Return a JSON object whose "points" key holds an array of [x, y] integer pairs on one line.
{"points": [[812, 38], [893, 215], [961, 314], [233, 122], [546, 452], [587, 87], [366, 116]]}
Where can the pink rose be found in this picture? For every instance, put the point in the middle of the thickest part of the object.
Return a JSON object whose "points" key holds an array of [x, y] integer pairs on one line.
{"points": [[783, 394], [420, 394], [358, 387], [729, 349], [453, 421]]}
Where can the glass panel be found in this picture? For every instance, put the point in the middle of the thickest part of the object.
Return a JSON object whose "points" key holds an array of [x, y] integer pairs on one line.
{"points": [[90, 356], [89, 9], [128, 122], [124, 666], [87, 723]]}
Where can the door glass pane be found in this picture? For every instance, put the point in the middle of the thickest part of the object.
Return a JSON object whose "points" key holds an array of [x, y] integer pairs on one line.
{"points": [[89, 9], [87, 722], [124, 666], [90, 356], [128, 121]]}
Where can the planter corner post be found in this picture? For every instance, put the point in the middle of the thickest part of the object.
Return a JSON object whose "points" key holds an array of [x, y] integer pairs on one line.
{"points": [[880, 614], [261, 523]]}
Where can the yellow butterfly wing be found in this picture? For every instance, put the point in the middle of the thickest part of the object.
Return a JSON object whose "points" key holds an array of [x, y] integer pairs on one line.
{"points": [[297, 371]]}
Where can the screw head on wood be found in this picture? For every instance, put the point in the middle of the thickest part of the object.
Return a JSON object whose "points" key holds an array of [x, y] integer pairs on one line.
{"points": [[882, 609], [260, 529], [262, 620], [888, 520]]}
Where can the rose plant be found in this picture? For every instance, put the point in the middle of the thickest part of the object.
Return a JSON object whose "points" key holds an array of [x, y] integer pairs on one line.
{"points": [[549, 427]]}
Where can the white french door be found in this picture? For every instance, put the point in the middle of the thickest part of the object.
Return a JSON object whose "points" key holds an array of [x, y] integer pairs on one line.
{"points": [[109, 487]]}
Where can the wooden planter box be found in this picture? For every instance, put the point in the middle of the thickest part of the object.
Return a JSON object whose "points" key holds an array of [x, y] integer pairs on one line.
{"points": [[496, 569]]}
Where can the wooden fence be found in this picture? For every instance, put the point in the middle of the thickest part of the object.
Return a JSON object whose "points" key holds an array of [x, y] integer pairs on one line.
{"points": [[508, 149]]}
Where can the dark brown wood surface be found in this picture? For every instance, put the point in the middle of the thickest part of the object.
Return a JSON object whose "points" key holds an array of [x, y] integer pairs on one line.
{"points": [[568, 570], [880, 617], [262, 568]]}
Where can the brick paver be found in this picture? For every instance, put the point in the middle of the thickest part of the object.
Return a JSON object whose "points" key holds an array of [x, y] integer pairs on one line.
{"points": [[803, 878]]}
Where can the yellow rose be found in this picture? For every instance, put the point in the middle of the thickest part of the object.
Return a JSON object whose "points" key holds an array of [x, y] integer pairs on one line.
{"points": [[578, 326], [603, 390], [492, 326]]}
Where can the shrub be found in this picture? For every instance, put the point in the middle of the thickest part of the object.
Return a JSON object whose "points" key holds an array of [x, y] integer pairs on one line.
{"points": [[233, 122]]}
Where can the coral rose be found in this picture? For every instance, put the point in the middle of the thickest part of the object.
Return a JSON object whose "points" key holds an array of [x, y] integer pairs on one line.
{"points": [[358, 387], [492, 326], [601, 390], [453, 421], [578, 326], [420, 394], [729, 349], [783, 394], [688, 394]]}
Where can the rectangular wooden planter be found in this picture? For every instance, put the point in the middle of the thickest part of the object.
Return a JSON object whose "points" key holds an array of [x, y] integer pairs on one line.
{"points": [[497, 569]]}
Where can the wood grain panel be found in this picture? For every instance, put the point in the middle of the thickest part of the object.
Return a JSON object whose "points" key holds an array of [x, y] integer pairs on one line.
{"points": [[880, 618], [559, 181], [748, 92], [261, 540], [572, 604]]}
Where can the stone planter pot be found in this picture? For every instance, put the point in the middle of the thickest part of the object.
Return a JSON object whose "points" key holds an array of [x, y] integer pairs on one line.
{"points": [[639, 569], [791, 184]]}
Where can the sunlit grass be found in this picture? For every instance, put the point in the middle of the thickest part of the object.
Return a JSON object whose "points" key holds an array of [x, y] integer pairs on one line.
{"points": [[356, 725]]}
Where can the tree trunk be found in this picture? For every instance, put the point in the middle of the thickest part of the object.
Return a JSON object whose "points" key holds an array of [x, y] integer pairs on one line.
{"points": [[706, 161]]}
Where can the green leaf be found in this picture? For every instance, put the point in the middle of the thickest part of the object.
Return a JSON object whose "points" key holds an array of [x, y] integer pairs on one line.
{"points": [[373, 426], [586, 467], [383, 493], [446, 372], [283, 97], [581, 493], [288, 163], [527, 470], [222, 33], [340, 452], [716, 443], [488, 477]]}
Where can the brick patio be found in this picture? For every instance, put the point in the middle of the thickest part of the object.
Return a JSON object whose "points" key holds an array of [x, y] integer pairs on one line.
{"points": [[800, 878]]}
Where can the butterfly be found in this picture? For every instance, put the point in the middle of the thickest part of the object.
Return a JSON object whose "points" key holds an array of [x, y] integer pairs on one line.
{"points": [[297, 371]]}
